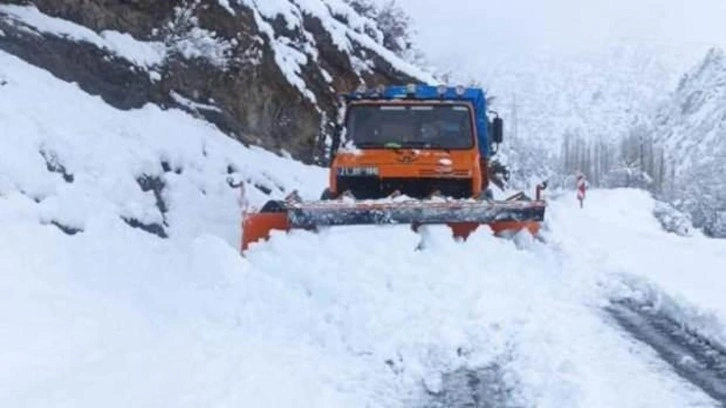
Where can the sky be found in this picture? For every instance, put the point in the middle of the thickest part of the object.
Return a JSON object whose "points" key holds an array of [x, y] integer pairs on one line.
{"points": [[521, 27]]}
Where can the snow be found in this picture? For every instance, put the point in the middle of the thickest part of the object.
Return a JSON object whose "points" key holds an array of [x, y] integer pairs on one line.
{"points": [[632, 249], [142, 53], [189, 40], [289, 59], [109, 150], [227, 6], [294, 49], [355, 316], [195, 106], [145, 54], [194, 43], [201, 43]]}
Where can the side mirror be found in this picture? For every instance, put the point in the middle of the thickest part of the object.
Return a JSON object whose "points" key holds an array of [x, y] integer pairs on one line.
{"points": [[497, 130]]}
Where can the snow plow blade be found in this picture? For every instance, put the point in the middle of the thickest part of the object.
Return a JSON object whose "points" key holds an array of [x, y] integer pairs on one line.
{"points": [[463, 217]]}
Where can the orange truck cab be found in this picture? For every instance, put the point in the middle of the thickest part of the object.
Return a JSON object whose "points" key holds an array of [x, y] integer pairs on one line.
{"points": [[415, 140]]}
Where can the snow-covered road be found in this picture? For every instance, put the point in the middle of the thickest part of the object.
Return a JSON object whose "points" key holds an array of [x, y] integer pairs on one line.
{"points": [[346, 317], [349, 317]]}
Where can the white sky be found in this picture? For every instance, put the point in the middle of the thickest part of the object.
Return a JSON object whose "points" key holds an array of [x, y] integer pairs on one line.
{"points": [[450, 27]]}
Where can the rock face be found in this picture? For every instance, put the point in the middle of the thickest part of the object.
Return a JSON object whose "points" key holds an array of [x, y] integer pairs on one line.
{"points": [[265, 74]]}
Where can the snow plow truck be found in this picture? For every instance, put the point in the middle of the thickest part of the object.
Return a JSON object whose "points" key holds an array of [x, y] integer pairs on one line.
{"points": [[413, 154]]}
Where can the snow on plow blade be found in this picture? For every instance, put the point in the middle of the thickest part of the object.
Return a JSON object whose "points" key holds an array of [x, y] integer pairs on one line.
{"points": [[336, 214], [462, 216]]}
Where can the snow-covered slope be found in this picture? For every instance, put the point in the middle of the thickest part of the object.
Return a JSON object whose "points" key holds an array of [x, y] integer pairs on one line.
{"points": [[68, 158], [355, 317], [692, 128]]}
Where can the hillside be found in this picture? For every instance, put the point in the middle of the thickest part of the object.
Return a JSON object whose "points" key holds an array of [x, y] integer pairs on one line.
{"points": [[691, 127], [265, 73], [69, 158], [550, 97]]}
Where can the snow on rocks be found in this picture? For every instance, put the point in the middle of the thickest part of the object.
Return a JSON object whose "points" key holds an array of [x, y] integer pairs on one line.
{"points": [[141, 53], [296, 48], [195, 42]]}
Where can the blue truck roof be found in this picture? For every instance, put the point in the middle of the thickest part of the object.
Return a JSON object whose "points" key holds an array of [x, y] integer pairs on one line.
{"points": [[475, 96]]}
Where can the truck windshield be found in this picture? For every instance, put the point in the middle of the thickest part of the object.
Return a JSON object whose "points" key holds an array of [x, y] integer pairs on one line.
{"points": [[410, 126]]}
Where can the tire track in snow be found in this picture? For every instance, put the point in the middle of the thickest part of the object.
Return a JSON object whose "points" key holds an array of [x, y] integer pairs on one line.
{"points": [[693, 357]]}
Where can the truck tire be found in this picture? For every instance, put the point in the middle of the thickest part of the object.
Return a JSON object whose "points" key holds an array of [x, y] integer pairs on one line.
{"points": [[327, 195]]}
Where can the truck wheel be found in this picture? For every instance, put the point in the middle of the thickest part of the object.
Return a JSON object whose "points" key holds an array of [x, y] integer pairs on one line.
{"points": [[327, 195]]}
